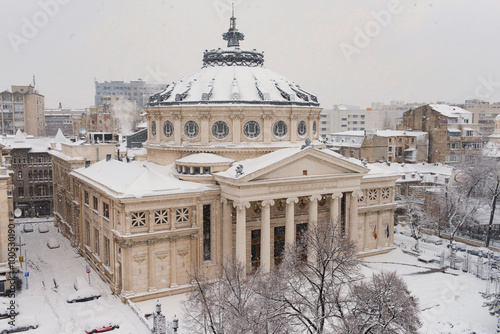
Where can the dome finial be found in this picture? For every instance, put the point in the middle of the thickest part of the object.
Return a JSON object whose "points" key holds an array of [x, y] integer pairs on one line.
{"points": [[233, 36]]}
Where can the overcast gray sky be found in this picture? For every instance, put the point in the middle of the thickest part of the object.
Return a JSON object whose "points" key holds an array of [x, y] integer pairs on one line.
{"points": [[351, 52]]}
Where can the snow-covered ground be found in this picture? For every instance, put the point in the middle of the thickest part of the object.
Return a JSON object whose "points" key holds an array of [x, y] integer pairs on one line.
{"points": [[449, 300], [52, 273]]}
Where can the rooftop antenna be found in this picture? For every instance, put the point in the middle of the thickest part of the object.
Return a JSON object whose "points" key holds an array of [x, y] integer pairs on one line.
{"points": [[33, 81]]}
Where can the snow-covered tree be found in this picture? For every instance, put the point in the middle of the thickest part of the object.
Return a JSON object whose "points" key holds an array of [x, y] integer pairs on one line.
{"points": [[231, 304], [314, 290], [479, 177], [382, 305]]}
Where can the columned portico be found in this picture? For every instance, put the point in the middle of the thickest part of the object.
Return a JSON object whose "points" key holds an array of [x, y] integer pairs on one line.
{"points": [[290, 221], [334, 207], [241, 226], [353, 215], [227, 230], [265, 242]]}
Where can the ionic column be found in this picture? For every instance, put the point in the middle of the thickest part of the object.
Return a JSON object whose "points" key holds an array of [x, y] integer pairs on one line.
{"points": [[173, 263], [265, 233], [151, 266], [241, 228], [353, 216], [334, 208], [313, 221], [290, 221], [227, 230], [313, 209]]}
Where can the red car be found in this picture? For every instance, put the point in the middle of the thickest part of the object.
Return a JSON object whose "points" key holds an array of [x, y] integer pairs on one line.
{"points": [[102, 329]]}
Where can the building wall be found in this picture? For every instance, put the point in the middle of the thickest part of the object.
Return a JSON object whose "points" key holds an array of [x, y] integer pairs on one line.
{"points": [[32, 180], [444, 147], [22, 109]]}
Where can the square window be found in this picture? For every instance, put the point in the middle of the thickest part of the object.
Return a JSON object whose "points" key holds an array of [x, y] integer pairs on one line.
{"points": [[182, 215], [161, 217], [138, 219]]}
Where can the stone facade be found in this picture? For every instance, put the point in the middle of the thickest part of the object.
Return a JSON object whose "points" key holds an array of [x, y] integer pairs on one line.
{"points": [[232, 169], [6, 219]]}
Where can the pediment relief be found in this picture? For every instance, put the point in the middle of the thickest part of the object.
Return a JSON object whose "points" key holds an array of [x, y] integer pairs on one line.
{"points": [[313, 163]]}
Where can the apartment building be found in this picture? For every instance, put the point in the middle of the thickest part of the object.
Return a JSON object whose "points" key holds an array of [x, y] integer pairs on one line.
{"points": [[452, 134], [22, 108]]}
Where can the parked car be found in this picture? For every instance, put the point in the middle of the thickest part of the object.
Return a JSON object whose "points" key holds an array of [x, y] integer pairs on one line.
{"points": [[22, 323], [52, 243], [83, 295], [28, 228], [459, 246], [433, 239], [43, 228], [101, 328], [5, 311]]}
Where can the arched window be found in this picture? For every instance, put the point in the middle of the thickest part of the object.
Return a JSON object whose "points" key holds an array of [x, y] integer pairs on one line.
{"points": [[40, 175], [30, 175]]}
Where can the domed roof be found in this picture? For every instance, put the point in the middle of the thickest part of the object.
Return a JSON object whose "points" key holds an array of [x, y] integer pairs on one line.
{"points": [[233, 76]]}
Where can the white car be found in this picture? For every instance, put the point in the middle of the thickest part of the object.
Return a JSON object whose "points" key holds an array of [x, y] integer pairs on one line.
{"points": [[83, 295], [43, 228], [28, 228], [52, 243], [21, 324]]}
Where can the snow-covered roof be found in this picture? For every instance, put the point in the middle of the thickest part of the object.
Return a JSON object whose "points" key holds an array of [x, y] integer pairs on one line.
{"points": [[449, 111], [205, 158], [138, 179], [423, 172], [235, 85], [233, 75], [22, 141], [399, 133]]}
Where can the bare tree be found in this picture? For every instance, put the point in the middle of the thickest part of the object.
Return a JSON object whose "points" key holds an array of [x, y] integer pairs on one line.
{"points": [[416, 217], [479, 178], [231, 304], [314, 290], [382, 305]]}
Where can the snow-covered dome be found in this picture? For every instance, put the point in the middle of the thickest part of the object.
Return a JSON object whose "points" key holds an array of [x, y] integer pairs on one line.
{"points": [[233, 76]]}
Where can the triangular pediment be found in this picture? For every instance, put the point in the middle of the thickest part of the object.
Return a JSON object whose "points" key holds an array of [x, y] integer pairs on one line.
{"points": [[291, 164]]}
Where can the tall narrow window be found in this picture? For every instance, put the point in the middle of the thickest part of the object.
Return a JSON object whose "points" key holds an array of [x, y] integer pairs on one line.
{"points": [[105, 210], [96, 241], [207, 252], [96, 204], [106, 251]]}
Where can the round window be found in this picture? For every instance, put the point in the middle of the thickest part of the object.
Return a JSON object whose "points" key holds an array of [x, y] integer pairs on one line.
{"points": [[168, 129], [314, 128], [302, 128], [153, 128], [191, 129], [251, 129], [280, 129], [220, 130]]}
